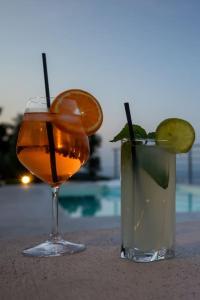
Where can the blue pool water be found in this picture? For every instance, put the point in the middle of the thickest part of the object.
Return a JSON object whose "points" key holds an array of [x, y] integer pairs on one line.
{"points": [[103, 199]]}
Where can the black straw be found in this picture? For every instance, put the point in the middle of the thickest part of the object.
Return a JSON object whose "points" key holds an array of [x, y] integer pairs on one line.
{"points": [[48, 124], [131, 131], [130, 126], [46, 81]]}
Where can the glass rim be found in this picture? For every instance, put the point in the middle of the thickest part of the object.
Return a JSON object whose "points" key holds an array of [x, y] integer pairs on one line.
{"points": [[145, 141], [39, 97]]}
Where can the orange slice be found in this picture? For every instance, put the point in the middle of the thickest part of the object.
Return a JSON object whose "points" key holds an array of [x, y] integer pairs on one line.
{"points": [[80, 103]]}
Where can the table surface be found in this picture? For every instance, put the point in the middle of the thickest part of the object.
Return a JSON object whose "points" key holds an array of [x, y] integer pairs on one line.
{"points": [[98, 272]]}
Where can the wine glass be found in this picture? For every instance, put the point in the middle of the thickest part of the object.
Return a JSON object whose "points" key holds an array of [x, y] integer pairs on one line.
{"points": [[53, 147]]}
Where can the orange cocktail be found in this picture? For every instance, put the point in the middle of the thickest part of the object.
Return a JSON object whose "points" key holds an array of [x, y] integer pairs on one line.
{"points": [[70, 146]]}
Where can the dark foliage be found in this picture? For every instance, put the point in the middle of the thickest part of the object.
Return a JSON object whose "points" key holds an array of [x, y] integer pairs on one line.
{"points": [[93, 165], [10, 167]]}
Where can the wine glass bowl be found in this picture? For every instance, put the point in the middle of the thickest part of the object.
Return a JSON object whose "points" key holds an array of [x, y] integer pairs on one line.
{"points": [[71, 148]]}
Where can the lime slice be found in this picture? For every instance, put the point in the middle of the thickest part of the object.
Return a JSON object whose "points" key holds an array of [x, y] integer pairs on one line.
{"points": [[176, 135]]}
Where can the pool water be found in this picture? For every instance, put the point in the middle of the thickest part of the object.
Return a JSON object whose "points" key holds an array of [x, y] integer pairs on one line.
{"points": [[102, 199], [187, 198]]}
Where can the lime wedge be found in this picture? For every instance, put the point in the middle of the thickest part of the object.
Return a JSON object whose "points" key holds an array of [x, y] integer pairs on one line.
{"points": [[176, 135]]}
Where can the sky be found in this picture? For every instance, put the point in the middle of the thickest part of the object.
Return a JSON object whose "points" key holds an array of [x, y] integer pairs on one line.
{"points": [[145, 52]]}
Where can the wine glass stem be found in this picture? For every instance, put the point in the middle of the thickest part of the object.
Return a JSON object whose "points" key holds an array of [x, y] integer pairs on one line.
{"points": [[54, 232]]}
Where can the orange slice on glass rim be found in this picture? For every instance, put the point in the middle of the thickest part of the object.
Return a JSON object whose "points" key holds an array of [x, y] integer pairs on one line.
{"points": [[81, 104]]}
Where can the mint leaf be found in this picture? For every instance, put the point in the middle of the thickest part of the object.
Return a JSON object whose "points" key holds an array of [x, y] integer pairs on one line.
{"points": [[140, 133], [155, 163], [152, 160]]}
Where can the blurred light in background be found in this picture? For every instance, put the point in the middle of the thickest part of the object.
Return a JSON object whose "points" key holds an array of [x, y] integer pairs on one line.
{"points": [[26, 179]]}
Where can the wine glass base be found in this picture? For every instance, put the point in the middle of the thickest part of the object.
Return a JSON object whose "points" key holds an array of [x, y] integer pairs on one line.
{"points": [[54, 248]]}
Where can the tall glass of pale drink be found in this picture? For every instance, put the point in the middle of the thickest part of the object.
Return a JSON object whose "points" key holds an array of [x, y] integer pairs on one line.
{"points": [[147, 201]]}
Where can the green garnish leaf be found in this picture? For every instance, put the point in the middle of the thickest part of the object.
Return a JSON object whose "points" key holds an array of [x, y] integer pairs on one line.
{"points": [[147, 160], [157, 169], [140, 133]]}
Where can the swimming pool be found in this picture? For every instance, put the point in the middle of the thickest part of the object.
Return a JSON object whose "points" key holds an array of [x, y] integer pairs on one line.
{"points": [[100, 199]]}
